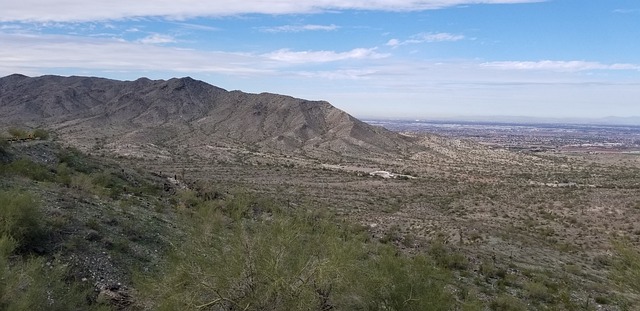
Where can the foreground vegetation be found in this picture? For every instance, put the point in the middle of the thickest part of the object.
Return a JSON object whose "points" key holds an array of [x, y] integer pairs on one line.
{"points": [[238, 251], [171, 246], [251, 254], [29, 282]]}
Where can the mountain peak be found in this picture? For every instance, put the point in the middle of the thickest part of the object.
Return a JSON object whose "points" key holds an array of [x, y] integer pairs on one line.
{"points": [[14, 78]]}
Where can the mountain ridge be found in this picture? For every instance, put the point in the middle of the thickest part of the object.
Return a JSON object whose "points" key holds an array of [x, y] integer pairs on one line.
{"points": [[149, 111]]}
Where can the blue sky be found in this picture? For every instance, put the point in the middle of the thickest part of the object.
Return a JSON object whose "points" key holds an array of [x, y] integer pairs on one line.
{"points": [[376, 58]]}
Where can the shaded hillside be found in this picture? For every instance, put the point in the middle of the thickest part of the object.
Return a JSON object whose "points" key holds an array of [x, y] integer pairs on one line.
{"points": [[187, 112]]}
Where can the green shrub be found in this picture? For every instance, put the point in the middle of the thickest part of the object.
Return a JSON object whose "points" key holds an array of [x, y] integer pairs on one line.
{"points": [[627, 266], [17, 132], [538, 292], [32, 284], [507, 303], [21, 218], [603, 300], [488, 269], [251, 265], [247, 254], [4, 145], [63, 174], [41, 134], [112, 184], [397, 282], [448, 258], [391, 235], [75, 160], [472, 304], [27, 168], [84, 182], [188, 198]]}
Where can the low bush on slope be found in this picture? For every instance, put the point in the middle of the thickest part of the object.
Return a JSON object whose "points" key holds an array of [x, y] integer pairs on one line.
{"points": [[250, 254]]}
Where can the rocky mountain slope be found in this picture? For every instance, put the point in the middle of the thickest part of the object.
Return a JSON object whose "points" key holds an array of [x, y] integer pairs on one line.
{"points": [[102, 113]]}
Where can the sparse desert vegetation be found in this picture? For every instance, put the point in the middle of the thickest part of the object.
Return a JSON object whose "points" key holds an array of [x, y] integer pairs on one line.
{"points": [[300, 243], [256, 253]]}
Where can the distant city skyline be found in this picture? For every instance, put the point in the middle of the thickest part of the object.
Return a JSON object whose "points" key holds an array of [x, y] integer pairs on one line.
{"points": [[375, 59]]}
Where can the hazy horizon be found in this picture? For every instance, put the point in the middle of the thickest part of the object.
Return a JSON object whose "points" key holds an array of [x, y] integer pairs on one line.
{"points": [[515, 118], [394, 59]]}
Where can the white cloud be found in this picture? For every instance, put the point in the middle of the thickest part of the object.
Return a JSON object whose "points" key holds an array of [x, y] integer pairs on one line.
{"points": [[43, 53], [197, 27], [157, 39], [83, 10], [626, 11], [428, 38], [562, 66], [299, 28], [341, 74], [10, 27], [301, 57], [439, 37], [35, 53], [393, 42]]}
